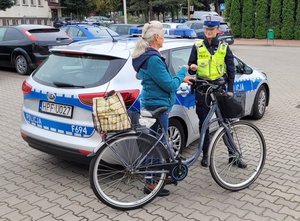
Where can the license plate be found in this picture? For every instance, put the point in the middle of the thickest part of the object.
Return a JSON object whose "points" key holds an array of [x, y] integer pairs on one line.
{"points": [[56, 109]]}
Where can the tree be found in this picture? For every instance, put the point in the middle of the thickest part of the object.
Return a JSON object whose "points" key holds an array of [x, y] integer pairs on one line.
{"points": [[248, 19], [77, 8], [287, 29], [227, 9], [297, 22], [275, 17], [4, 4], [235, 17], [261, 18]]}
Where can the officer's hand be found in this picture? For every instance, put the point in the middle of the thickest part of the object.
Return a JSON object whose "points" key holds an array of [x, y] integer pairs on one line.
{"points": [[193, 67], [229, 93]]}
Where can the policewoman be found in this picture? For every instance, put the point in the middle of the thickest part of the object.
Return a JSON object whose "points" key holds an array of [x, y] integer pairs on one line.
{"points": [[210, 59]]}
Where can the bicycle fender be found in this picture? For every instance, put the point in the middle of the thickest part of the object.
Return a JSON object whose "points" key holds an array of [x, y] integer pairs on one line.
{"points": [[104, 142]]}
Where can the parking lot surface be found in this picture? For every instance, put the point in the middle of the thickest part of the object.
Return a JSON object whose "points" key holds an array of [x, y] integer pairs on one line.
{"points": [[38, 186]]}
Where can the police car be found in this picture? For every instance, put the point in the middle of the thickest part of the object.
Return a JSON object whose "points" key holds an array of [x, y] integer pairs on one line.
{"points": [[57, 107]]}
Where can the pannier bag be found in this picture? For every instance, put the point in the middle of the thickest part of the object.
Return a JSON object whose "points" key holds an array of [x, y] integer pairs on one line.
{"points": [[232, 106], [110, 114]]}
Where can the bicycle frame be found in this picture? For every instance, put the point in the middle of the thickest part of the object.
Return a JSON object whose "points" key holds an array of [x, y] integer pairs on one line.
{"points": [[214, 109]]}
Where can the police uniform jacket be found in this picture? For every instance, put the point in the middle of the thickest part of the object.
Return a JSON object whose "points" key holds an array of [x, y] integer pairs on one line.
{"points": [[229, 60]]}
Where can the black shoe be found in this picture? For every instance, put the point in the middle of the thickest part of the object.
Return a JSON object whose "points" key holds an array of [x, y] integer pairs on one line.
{"points": [[162, 192], [238, 162], [204, 161], [169, 181]]}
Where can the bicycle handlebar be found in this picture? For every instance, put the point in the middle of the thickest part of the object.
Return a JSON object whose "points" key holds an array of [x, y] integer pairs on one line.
{"points": [[211, 83]]}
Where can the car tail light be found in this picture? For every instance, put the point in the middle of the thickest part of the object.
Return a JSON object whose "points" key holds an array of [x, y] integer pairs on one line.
{"points": [[129, 97], [26, 88], [30, 36]]}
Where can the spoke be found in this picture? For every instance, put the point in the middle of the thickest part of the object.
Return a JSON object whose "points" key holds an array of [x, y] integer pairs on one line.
{"points": [[112, 173], [112, 183]]}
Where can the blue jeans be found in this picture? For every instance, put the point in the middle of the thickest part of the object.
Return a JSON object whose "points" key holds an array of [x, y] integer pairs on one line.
{"points": [[164, 122]]}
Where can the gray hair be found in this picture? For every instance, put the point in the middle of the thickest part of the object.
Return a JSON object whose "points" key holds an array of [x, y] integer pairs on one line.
{"points": [[149, 30]]}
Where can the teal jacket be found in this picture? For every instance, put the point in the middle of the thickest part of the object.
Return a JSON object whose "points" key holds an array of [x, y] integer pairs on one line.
{"points": [[159, 85]]}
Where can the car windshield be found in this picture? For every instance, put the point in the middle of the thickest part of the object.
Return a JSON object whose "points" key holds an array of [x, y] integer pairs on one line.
{"points": [[78, 70], [102, 32]]}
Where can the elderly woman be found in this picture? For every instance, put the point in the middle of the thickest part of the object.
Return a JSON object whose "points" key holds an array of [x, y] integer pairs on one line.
{"points": [[159, 85]]}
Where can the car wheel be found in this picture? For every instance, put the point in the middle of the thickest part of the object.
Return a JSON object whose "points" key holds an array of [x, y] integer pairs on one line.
{"points": [[177, 135], [22, 65], [260, 103]]}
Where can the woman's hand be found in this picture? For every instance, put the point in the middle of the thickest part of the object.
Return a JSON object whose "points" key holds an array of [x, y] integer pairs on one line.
{"points": [[188, 78], [185, 65]]}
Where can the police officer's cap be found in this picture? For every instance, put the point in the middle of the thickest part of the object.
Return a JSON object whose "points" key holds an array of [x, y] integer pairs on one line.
{"points": [[211, 24]]}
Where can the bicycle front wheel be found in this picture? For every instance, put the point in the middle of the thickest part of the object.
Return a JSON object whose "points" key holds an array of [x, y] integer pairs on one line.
{"points": [[237, 168], [124, 175]]}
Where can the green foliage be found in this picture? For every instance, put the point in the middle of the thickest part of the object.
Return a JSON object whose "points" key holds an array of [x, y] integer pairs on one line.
{"points": [[297, 22], [261, 19], [227, 9], [78, 9], [248, 19], [287, 29], [4, 4], [275, 17], [235, 17]]}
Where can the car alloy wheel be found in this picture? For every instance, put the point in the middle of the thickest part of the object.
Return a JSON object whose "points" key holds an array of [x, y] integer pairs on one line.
{"points": [[22, 65], [260, 103], [177, 135]]}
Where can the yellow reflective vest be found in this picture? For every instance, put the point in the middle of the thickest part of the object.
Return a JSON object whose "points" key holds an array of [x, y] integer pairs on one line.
{"points": [[211, 66]]}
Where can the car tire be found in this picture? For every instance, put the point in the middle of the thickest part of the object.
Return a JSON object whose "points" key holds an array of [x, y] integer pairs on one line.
{"points": [[22, 65], [260, 103], [177, 135]]}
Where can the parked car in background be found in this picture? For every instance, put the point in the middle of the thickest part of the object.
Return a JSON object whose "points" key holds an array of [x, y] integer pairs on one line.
{"points": [[202, 15], [197, 26], [80, 32], [126, 29], [225, 33], [61, 21], [24, 47], [57, 107], [99, 20], [179, 30]]}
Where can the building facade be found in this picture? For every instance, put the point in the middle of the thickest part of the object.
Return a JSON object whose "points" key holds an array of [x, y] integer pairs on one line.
{"points": [[31, 12]]}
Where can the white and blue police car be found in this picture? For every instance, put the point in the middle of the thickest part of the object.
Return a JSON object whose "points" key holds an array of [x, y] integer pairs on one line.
{"points": [[57, 107]]}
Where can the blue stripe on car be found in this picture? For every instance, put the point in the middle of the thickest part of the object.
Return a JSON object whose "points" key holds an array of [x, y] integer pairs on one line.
{"points": [[63, 128]]}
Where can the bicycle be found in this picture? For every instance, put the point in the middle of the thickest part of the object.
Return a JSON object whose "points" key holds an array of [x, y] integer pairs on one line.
{"points": [[123, 165]]}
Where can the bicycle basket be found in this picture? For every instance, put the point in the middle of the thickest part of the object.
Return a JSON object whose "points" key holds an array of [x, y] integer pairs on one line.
{"points": [[232, 106], [110, 114]]}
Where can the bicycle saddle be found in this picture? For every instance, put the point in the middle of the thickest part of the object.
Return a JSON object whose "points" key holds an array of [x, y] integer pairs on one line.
{"points": [[153, 113]]}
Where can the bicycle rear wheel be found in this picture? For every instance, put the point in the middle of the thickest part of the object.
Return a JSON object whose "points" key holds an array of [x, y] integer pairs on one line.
{"points": [[123, 168], [231, 174]]}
